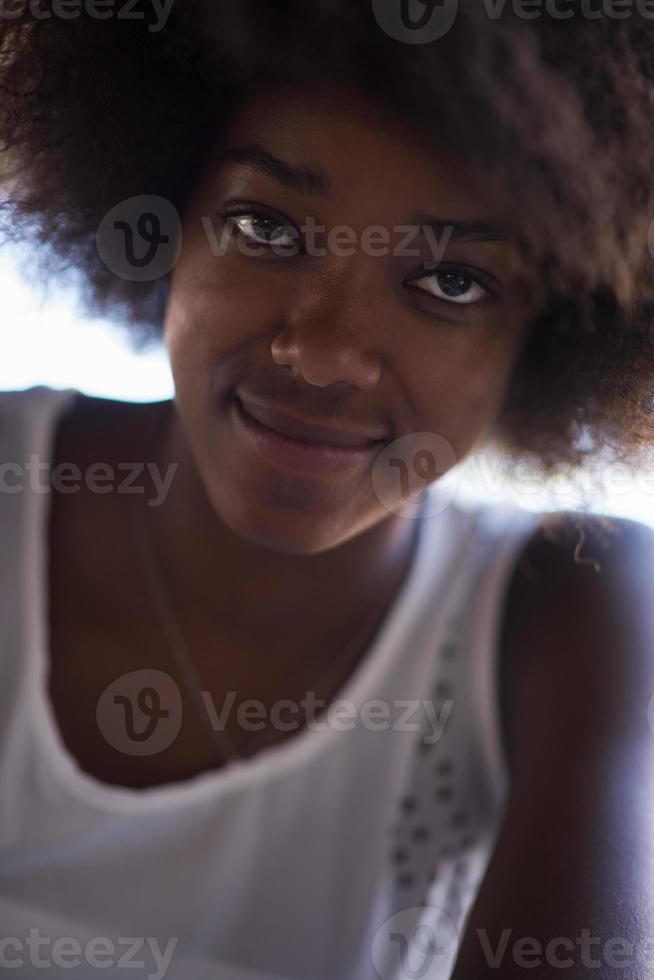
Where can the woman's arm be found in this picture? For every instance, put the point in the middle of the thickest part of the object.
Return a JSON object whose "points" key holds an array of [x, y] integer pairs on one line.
{"points": [[569, 891]]}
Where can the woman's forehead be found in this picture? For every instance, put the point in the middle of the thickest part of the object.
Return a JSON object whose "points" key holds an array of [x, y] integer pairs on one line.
{"points": [[343, 144]]}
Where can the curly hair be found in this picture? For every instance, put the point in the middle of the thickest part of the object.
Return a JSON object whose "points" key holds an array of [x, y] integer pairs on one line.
{"points": [[555, 116]]}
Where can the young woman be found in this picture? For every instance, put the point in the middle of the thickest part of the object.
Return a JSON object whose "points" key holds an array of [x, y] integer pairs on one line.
{"points": [[268, 709]]}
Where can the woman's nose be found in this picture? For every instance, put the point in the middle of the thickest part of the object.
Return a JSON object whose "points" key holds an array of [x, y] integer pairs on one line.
{"points": [[324, 348]]}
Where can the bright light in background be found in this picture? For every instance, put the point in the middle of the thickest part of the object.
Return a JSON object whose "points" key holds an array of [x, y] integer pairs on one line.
{"points": [[45, 341]]}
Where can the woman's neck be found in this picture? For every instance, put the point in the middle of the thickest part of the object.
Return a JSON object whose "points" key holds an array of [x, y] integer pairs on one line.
{"points": [[217, 577]]}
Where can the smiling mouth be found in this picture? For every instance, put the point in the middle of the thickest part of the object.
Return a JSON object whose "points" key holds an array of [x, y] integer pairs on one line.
{"points": [[307, 449], [308, 432]]}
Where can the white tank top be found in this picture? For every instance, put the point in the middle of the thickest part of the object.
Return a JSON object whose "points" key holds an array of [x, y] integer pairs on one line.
{"points": [[350, 851]]}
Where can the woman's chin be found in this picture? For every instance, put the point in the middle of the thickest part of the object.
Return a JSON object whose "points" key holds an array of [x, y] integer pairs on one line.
{"points": [[291, 530]]}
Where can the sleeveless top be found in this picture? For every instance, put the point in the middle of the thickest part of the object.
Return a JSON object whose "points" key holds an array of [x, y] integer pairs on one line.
{"points": [[349, 851]]}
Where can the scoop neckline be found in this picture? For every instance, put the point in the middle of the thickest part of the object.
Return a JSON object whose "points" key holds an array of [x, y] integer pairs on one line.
{"points": [[269, 762]]}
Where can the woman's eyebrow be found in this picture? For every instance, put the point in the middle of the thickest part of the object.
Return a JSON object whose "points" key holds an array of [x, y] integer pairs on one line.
{"points": [[477, 230], [303, 179], [307, 180]]}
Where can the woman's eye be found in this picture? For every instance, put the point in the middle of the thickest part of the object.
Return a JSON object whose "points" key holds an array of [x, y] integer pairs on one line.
{"points": [[266, 230], [453, 286]]}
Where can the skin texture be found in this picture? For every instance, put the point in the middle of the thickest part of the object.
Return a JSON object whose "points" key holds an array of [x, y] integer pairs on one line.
{"points": [[345, 338], [333, 337], [575, 848]]}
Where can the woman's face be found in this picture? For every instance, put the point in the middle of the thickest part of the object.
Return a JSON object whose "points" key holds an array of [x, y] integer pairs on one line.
{"points": [[314, 297]]}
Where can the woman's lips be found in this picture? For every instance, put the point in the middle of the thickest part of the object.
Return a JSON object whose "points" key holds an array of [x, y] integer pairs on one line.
{"points": [[300, 445], [303, 430]]}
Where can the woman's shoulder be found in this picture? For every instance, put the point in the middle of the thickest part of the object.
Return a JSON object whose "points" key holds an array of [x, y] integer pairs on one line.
{"points": [[576, 565], [73, 436], [70, 414], [563, 543], [27, 402], [569, 545], [578, 678], [577, 608], [29, 415]]}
